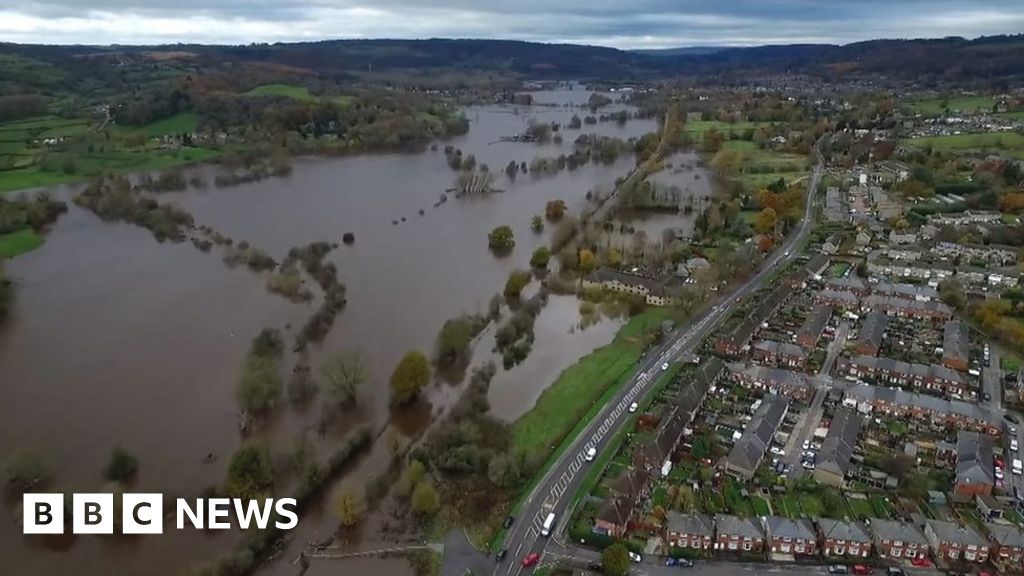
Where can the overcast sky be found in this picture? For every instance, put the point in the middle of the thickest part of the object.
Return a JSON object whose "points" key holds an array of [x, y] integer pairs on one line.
{"points": [[618, 23]]}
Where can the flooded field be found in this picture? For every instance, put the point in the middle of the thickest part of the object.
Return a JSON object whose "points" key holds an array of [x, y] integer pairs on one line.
{"points": [[117, 340]]}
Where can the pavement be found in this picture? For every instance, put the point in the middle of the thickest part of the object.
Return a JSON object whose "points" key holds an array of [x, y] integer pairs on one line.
{"points": [[554, 493]]}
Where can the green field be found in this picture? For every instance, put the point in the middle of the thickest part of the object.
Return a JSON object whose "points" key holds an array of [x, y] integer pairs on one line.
{"points": [[702, 126], [295, 92], [19, 242], [1009, 144], [186, 122], [936, 106], [576, 391]]}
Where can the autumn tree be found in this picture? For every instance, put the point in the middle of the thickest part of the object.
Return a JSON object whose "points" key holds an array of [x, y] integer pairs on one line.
{"points": [[765, 221], [615, 560], [587, 261], [250, 474], [348, 506], [410, 478], [517, 280], [410, 376], [501, 238], [342, 374], [425, 500], [554, 210], [539, 259], [537, 223]]}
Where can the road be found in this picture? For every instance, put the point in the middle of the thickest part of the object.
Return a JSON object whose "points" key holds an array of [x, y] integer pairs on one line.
{"points": [[554, 492]]}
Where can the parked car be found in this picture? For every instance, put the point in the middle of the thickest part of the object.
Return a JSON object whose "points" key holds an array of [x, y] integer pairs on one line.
{"points": [[500, 555], [861, 570], [508, 522], [1012, 418], [685, 563], [595, 567], [921, 562], [837, 569], [636, 558], [894, 571], [531, 559]]}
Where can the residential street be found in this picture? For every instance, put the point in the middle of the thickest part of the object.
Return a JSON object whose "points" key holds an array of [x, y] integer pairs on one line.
{"points": [[553, 494]]}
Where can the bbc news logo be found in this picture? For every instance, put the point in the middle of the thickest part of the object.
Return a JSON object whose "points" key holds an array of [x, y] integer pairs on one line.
{"points": [[144, 513]]}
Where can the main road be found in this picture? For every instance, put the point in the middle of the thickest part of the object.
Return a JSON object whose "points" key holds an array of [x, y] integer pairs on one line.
{"points": [[554, 492]]}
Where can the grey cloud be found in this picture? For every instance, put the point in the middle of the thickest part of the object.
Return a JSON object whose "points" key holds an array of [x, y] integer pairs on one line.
{"points": [[624, 24]]}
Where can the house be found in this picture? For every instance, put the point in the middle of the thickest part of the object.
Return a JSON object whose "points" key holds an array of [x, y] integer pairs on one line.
{"points": [[831, 245], [659, 449], [939, 412], [898, 540], [775, 353], [1006, 543], [991, 255], [953, 542], [851, 285], [624, 493], [734, 340], [775, 380], [974, 473], [869, 340], [905, 308], [901, 238], [842, 539], [790, 537], [837, 299], [954, 345], [908, 291], [735, 534], [810, 331], [817, 264], [689, 531], [930, 377], [862, 239], [747, 452], [988, 507], [837, 449], [655, 292]]}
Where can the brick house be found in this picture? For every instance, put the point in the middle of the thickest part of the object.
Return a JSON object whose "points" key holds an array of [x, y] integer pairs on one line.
{"points": [[938, 411], [776, 380], [689, 531], [839, 539], [735, 534], [898, 540], [624, 493], [930, 377], [774, 353], [954, 345], [869, 340], [952, 542], [974, 473], [1007, 546], [790, 537], [810, 331]]}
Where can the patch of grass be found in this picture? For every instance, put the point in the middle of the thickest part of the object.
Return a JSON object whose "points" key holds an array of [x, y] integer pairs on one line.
{"points": [[1006, 143], [761, 506], [287, 90], [19, 242], [699, 127], [186, 122], [966, 104], [861, 507]]}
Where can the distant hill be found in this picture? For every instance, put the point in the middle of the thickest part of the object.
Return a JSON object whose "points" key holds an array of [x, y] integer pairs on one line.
{"points": [[947, 59], [682, 51]]}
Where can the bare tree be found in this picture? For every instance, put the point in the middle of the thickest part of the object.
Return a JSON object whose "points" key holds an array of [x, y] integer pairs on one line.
{"points": [[343, 373]]}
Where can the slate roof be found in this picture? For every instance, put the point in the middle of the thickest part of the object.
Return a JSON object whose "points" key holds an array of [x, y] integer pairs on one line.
{"points": [[1006, 534], [779, 348], [954, 341], [897, 531], [973, 459], [736, 526], [781, 527], [815, 322], [866, 393], [841, 530], [691, 524], [837, 449], [880, 302], [931, 371], [746, 454], [873, 328], [952, 532]]}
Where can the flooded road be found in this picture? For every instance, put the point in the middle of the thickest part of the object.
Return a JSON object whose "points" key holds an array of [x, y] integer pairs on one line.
{"points": [[117, 340]]}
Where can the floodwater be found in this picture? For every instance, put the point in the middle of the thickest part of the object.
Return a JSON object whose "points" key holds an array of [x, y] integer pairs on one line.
{"points": [[117, 340]]}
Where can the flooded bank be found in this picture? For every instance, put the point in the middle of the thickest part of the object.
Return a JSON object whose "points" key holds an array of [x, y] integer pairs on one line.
{"points": [[116, 340]]}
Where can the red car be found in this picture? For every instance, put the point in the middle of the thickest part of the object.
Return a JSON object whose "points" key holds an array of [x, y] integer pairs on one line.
{"points": [[531, 559], [921, 562], [861, 570]]}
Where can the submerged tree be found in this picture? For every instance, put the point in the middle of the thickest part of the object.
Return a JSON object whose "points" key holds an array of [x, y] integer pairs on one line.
{"points": [[342, 374]]}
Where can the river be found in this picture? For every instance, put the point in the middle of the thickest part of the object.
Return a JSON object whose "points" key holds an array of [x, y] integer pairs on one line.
{"points": [[118, 340]]}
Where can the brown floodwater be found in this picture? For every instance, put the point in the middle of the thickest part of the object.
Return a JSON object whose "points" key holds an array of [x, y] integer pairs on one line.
{"points": [[117, 340]]}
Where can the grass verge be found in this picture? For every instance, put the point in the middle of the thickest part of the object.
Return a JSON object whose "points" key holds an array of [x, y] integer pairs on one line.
{"points": [[19, 242]]}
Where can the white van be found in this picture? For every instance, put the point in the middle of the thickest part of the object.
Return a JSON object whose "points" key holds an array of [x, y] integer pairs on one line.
{"points": [[549, 523], [1018, 467]]}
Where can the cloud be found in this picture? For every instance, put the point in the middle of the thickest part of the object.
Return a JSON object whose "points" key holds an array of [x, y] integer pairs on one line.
{"points": [[622, 24]]}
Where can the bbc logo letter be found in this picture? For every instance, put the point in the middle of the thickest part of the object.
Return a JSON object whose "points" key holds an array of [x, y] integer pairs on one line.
{"points": [[142, 514], [43, 514]]}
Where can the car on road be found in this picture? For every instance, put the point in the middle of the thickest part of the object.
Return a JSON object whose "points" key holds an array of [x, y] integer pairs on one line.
{"points": [[838, 569], [500, 555], [1013, 430], [1014, 445], [508, 522], [894, 571], [531, 559], [1011, 418], [986, 397], [806, 445], [861, 570], [664, 366], [590, 454], [636, 558], [921, 562], [633, 407]]}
